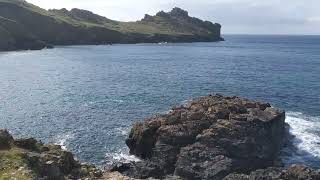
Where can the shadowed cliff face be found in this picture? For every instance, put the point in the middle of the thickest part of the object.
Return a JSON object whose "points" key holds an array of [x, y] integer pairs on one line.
{"points": [[76, 27], [52, 30], [14, 36]]}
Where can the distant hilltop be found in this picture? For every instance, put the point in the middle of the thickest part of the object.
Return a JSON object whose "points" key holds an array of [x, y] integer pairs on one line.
{"points": [[25, 26]]}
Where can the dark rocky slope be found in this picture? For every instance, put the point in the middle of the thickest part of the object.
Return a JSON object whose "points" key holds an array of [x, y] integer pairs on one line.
{"points": [[25, 26], [212, 138], [14, 36]]}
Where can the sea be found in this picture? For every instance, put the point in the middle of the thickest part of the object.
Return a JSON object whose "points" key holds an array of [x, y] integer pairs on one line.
{"points": [[85, 98]]}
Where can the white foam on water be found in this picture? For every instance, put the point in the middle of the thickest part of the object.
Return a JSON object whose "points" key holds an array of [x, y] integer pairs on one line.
{"points": [[122, 155], [185, 102], [63, 140], [118, 100], [306, 139], [124, 131], [165, 112]]}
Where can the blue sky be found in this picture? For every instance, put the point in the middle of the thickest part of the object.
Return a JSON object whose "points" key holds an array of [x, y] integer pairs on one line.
{"points": [[236, 16]]}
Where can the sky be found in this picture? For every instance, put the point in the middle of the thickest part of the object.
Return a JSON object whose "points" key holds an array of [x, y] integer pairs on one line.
{"points": [[236, 16]]}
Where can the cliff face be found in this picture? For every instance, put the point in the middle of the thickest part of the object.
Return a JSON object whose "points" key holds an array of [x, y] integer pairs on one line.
{"points": [[14, 36], [46, 27], [76, 27], [179, 20]]}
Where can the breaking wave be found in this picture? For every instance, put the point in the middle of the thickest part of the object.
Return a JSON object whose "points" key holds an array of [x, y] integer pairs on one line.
{"points": [[63, 140], [304, 144], [121, 155]]}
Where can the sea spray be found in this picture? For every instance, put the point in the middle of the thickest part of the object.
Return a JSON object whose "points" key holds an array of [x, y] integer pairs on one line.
{"points": [[304, 145]]}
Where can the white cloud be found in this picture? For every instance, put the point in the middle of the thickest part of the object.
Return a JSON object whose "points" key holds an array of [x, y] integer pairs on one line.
{"points": [[314, 19], [236, 16]]}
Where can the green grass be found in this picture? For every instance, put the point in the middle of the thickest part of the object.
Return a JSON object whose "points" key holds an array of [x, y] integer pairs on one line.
{"points": [[14, 166], [27, 5], [30, 24], [161, 26]]}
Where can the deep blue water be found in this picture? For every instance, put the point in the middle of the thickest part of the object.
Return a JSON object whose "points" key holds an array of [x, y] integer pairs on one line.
{"points": [[85, 98]]}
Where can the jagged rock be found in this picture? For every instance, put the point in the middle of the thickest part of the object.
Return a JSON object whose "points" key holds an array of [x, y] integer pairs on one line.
{"points": [[208, 138], [5, 139], [295, 172], [179, 12], [52, 171], [236, 177], [119, 176], [116, 176], [30, 144], [197, 161]]}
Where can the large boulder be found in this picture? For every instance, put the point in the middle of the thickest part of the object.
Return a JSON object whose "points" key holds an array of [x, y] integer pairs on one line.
{"points": [[209, 138]]}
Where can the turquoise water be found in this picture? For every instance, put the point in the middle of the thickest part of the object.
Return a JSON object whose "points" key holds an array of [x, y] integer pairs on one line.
{"points": [[85, 98]]}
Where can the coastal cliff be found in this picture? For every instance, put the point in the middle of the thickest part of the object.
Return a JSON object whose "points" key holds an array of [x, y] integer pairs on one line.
{"points": [[26, 26], [210, 138]]}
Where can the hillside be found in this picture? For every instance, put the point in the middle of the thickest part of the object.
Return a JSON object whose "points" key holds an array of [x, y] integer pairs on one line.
{"points": [[26, 26]]}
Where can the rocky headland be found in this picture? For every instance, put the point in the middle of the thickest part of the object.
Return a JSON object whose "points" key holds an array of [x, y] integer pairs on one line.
{"points": [[24, 26], [210, 138]]}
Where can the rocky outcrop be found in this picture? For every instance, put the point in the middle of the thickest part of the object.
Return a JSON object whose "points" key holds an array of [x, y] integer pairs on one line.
{"points": [[212, 137], [30, 159], [191, 29]]}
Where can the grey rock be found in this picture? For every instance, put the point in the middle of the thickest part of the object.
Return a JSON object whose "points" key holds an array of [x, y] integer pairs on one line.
{"points": [[295, 172], [30, 144], [209, 138], [5, 139]]}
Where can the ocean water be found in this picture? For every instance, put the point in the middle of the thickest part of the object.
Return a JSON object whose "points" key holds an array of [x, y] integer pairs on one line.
{"points": [[85, 98]]}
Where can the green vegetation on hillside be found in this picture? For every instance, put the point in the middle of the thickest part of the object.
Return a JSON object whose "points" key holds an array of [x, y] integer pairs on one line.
{"points": [[28, 159], [13, 165], [22, 23]]}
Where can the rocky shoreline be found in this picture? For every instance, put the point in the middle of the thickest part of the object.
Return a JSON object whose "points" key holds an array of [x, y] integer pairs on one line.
{"points": [[212, 137], [25, 159]]}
